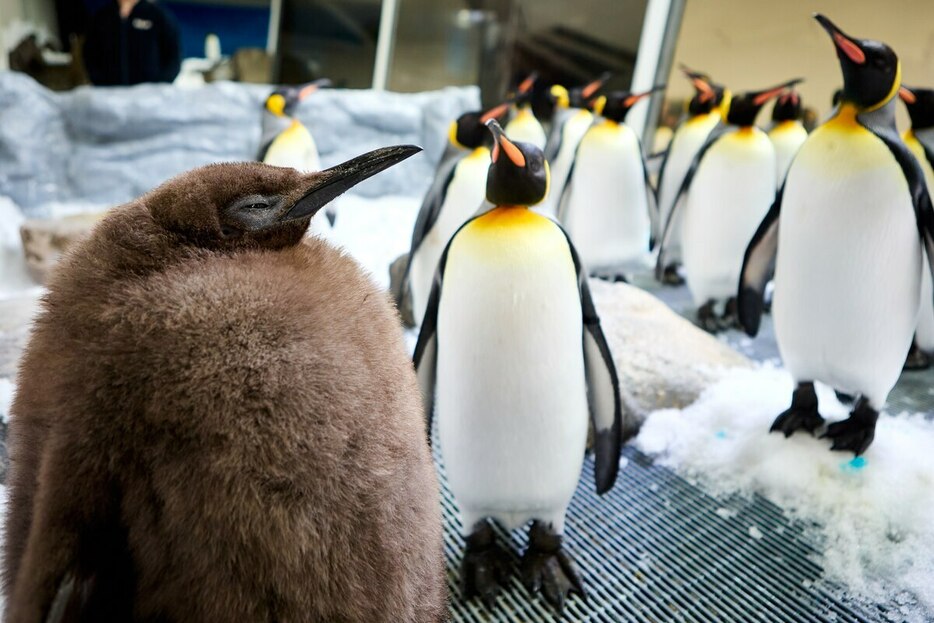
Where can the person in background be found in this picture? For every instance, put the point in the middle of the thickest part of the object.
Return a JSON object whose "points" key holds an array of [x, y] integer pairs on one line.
{"points": [[132, 41]]}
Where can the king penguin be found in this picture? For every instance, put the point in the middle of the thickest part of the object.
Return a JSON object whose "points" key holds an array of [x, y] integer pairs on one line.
{"points": [[728, 189], [217, 422], [456, 195], [844, 236], [608, 206], [920, 140], [524, 127], [286, 142], [571, 121], [787, 132], [705, 111], [512, 357]]}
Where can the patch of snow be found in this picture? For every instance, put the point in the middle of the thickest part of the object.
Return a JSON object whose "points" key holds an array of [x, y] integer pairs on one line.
{"points": [[6, 399], [875, 512], [756, 533], [375, 231], [14, 278], [725, 513]]}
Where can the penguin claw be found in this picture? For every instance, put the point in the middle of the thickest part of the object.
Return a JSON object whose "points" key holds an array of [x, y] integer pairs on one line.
{"points": [[792, 420], [856, 432], [547, 569], [670, 276], [484, 568]]}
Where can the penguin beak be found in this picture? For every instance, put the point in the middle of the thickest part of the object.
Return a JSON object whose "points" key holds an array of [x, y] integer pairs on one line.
{"points": [[636, 97], [700, 82], [907, 95], [591, 89], [844, 43], [311, 87], [495, 113], [526, 85], [763, 96], [504, 144], [329, 183]]}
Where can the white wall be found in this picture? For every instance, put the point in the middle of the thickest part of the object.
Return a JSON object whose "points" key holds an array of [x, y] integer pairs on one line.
{"points": [[752, 44]]}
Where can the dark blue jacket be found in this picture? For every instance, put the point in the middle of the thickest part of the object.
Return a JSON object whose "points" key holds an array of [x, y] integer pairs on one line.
{"points": [[144, 47]]}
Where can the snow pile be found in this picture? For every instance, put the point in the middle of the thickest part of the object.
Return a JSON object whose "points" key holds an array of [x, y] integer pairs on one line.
{"points": [[14, 278], [876, 512], [6, 399], [375, 231]]}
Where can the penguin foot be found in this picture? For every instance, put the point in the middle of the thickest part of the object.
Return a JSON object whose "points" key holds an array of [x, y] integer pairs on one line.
{"points": [[707, 319], [485, 566], [801, 415], [917, 359], [844, 397], [611, 276], [671, 277], [730, 317], [547, 569], [857, 431]]}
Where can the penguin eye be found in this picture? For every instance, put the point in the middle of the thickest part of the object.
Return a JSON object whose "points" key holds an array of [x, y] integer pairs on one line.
{"points": [[256, 206]]}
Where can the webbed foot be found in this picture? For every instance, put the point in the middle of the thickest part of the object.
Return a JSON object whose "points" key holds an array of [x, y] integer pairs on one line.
{"points": [[917, 359], [485, 565], [801, 415], [547, 569], [857, 431]]}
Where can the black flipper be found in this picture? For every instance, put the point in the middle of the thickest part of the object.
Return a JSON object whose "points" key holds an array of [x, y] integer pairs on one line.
{"points": [[562, 207], [881, 122], [758, 268], [715, 135], [603, 393], [428, 214], [553, 145], [652, 198]]}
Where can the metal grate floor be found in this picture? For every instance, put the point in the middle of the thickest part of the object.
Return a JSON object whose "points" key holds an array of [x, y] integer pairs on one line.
{"points": [[657, 548]]}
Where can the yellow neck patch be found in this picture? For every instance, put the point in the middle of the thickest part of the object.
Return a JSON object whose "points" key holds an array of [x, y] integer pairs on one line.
{"points": [[508, 217], [845, 119]]}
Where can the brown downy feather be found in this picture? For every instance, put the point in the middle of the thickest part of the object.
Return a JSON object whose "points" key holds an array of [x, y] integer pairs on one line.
{"points": [[214, 429]]}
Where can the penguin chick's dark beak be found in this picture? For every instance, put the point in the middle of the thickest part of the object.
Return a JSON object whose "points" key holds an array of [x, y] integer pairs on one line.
{"points": [[907, 95], [763, 96], [330, 183], [842, 41], [502, 143]]}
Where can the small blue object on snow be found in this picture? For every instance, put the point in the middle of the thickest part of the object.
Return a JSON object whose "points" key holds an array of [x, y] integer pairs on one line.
{"points": [[855, 464], [720, 434]]}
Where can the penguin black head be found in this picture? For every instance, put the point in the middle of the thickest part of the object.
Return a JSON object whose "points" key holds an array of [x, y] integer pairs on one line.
{"points": [[616, 105], [707, 94], [518, 172], [469, 130], [250, 204], [920, 105], [871, 71], [282, 101], [745, 108], [787, 107]]}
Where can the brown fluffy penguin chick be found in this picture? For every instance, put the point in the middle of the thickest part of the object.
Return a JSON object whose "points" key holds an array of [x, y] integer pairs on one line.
{"points": [[216, 423]]}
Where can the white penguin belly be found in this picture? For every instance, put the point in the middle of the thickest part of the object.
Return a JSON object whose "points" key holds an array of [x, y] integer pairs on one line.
{"points": [[572, 132], [925, 330], [847, 276], [607, 214], [787, 138], [686, 142], [732, 190], [464, 196], [511, 395]]}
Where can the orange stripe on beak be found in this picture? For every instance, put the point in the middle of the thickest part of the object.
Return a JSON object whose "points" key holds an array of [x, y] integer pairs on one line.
{"points": [[907, 96], [849, 48], [494, 112], [594, 86], [306, 91], [512, 152], [767, 95], [526, 85]]}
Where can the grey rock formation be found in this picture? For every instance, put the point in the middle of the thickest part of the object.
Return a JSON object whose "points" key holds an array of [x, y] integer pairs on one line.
{"points": [[663, 360], [109, 145]]}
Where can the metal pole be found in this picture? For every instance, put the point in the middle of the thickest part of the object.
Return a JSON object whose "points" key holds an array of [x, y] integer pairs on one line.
{"points": [[275, 20], [651, 48], [384, 43]]}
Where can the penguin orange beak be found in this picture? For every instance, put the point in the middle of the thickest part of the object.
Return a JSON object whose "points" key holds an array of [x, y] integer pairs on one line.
{"points": [[907, 95], [844, 43], [327, 184], [526, 85], [632, 99], [700, 82], [503, 143], [311, 87], [763, 96], [495, 112], [591, 88]]}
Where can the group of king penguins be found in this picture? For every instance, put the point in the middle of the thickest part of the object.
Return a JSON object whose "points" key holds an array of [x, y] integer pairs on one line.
{"points": [[511, 357]]}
